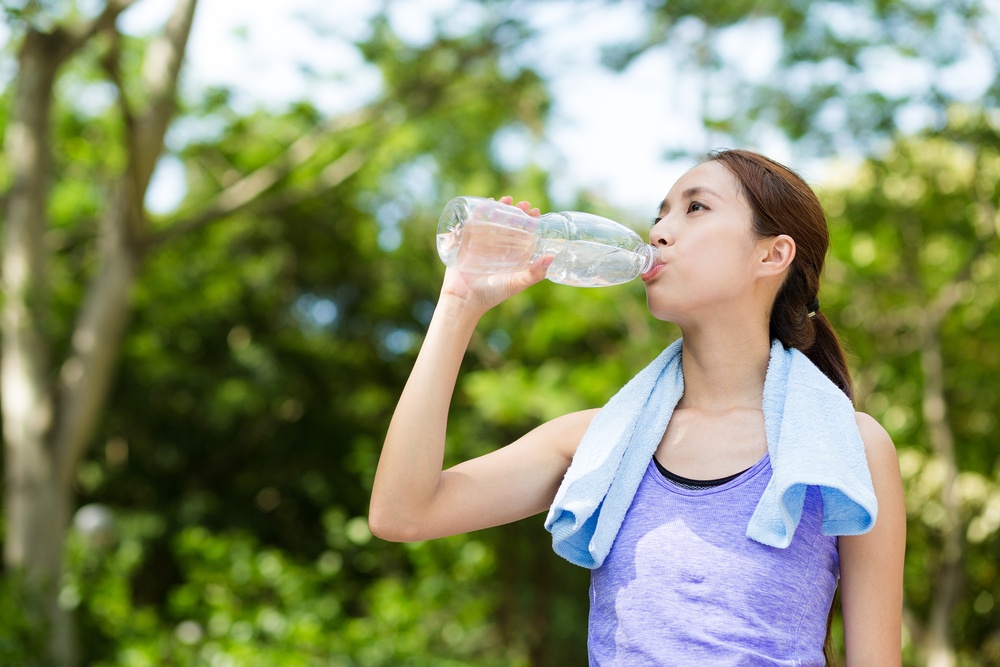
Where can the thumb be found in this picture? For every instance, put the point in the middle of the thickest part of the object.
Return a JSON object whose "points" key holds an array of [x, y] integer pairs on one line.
{"points": [[543, 263], [536, 272], [522, 280]]}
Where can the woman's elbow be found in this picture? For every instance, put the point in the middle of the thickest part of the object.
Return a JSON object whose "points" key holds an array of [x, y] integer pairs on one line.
{"points": [[388, 526]]}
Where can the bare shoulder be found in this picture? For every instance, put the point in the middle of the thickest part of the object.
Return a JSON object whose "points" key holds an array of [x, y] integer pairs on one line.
{"points": [[870, 428], [564, 433], [879, 448]]}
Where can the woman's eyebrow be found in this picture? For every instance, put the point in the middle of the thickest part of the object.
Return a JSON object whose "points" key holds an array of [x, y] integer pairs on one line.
{"points": [[698, 190], [693, 191]]}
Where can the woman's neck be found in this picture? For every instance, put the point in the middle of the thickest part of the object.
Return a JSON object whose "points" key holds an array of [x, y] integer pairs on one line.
{"points": [[725, 372]]}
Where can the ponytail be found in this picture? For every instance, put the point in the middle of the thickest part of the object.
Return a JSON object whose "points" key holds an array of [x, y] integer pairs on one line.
{"points": [[819, 342], [806, 329], [828, 354]]}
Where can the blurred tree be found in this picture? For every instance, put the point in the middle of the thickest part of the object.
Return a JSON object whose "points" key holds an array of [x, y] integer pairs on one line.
{"points": [[282, 328], [832, 77], [50, 408]]}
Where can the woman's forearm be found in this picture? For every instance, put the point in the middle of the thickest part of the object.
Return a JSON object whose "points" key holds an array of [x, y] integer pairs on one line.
{"points": [[409, 468]]}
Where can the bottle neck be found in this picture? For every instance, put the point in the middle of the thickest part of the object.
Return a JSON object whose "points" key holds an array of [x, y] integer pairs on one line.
{"points": [[650, 256], [555, 225]]}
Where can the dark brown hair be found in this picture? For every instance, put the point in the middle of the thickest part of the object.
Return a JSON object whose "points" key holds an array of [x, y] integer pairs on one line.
{"points": [[783, 203]]}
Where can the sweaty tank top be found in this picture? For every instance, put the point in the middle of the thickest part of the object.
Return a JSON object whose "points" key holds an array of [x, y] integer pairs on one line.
{"points": [[683, 585]]}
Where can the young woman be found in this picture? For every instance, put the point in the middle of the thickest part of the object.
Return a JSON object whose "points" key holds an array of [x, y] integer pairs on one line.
{"points": [[741, 242]]}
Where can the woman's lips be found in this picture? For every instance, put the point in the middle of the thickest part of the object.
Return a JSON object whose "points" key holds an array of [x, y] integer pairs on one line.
{"points": [[652, 273]]}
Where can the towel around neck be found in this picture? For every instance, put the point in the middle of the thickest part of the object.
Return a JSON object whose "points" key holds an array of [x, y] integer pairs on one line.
{"points": [[812, 440]]}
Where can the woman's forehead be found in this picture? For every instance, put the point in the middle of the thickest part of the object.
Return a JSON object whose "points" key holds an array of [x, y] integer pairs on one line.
{"points": [[712, 174], [712, 177]]}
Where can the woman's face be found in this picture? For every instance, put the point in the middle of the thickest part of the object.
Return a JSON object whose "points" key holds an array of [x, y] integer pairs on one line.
{"points": [[708, 251]]}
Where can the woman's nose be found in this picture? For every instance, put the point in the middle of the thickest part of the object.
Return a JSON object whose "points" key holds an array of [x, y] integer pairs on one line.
{"points": [[659, 235]]}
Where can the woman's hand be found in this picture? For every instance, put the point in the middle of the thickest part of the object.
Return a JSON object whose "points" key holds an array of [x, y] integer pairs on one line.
{"points": [[481, 292]]}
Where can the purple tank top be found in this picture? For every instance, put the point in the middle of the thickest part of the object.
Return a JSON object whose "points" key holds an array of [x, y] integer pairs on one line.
{"points": [[683, 585]]}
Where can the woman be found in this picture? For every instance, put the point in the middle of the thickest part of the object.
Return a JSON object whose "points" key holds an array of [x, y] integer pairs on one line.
{"points": [[742, 242]]}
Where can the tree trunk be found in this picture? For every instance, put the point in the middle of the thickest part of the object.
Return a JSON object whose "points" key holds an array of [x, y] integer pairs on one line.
{"points": [[36, 506], [48, 422], [938, 640]]}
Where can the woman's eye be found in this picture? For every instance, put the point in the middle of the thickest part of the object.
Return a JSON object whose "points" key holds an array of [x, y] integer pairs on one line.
{"points": [[696, 206], [652, 223]]}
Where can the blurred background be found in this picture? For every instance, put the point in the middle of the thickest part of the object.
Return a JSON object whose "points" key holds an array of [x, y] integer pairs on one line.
{"points": [[218, 265]]}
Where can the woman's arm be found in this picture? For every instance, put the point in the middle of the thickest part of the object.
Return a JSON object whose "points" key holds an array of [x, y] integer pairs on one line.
{"points": [[412, 498], [871, 565]]}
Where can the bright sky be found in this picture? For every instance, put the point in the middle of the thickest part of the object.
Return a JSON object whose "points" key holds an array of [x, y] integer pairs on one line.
{"points": [[608, 133], [610, 130]]}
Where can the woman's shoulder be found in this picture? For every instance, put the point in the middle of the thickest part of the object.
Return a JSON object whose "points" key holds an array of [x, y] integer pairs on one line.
{"points": [[879, 448], [577, 421], [565, 432]]}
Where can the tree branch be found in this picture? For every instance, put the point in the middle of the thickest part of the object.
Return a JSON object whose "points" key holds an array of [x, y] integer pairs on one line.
{"points": [[111, 63], [78, 35], [161, 70], [251, 188], [94, 346]]}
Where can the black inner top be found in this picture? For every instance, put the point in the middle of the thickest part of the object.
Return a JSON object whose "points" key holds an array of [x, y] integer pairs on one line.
{"points": [[694, 483]]}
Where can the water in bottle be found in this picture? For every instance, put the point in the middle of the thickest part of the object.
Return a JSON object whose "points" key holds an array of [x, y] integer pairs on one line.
{"points": [[484, 236]]}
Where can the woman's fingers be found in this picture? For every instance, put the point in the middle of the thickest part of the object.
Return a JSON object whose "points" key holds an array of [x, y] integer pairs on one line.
{"points": [[523, 205], [526, 207]]}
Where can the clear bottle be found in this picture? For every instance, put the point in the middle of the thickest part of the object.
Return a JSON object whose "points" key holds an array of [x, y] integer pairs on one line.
{"points": [[479, 235]]}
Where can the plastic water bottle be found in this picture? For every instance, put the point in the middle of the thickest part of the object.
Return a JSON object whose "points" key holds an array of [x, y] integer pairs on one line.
{"points": [[479, 235]]}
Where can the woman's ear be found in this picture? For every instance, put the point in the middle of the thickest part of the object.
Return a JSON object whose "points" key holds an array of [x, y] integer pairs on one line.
{"points": [[776, 254]]}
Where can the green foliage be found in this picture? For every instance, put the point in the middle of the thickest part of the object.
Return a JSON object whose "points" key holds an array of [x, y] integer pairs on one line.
{"points": [[265, 353], [22, 623], [244, 603], [846, 77]]}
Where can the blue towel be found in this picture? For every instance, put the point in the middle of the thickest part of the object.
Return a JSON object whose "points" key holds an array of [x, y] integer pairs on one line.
{"points": [[812, 440]]}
